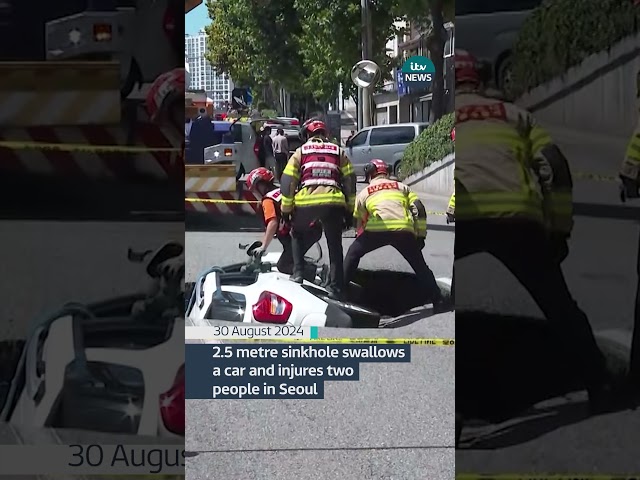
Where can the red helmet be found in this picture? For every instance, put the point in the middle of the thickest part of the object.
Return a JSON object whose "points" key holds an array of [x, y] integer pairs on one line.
{"points": [[376, 167], [258, 175], [167, 89], [466, 67], [312, 126]]}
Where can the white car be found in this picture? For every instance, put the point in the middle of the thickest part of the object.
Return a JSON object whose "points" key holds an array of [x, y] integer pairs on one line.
{"points": [[256, 292], [100, 368]]}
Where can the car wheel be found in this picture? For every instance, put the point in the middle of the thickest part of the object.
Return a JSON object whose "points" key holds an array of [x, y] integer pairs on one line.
{"points": [[396, 169]]}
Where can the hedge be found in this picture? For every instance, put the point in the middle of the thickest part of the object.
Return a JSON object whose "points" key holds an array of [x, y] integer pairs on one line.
{"points": [[561, 34], [432, 145]]}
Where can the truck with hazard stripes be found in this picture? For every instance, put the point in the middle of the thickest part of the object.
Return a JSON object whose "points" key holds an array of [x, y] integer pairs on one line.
{"points": [[82, 125]]}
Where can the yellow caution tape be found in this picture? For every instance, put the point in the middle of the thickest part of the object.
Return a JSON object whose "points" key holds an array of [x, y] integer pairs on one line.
{"points": [[441, 342], [572, 476], [70, 147], [596, 177]]}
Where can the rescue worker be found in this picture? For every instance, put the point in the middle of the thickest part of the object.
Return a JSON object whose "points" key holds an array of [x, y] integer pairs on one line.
{"points": [[630, 171], [318, 186], [514, 191], [451, 209], [260, 181], [389, 213], [165, 106], [165, 103]]}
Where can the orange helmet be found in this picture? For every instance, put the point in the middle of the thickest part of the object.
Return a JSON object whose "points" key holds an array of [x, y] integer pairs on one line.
{"points": [[166, 90], [258, 175], [376, 167], [312, 126], [466, 67]]}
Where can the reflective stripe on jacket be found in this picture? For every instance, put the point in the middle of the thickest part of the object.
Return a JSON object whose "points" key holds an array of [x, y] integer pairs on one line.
{"points": [[507, 166], [631, 164], [387, 205], [317, 195]]}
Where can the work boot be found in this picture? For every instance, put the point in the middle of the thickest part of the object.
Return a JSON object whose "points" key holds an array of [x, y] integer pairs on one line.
{"points": [[297, 277]]}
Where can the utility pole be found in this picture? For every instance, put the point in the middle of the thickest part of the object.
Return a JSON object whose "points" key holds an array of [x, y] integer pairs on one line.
{"points": [[364, 94]]}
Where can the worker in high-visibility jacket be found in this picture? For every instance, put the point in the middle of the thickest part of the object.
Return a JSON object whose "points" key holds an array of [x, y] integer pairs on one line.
{"points": [[165, 105], [630, 171], [388, 212], [451, 209], [514, 202], [318, 186]]}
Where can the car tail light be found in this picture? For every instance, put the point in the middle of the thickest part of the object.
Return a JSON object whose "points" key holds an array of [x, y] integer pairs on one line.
{"points": [[256, 148], [228, 152], [295, 122], [272, 308], [172, 405], [102, 32]]}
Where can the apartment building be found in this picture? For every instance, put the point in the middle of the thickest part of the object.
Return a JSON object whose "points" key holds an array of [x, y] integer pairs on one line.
{"points": [[397, 103], [203, 76]]}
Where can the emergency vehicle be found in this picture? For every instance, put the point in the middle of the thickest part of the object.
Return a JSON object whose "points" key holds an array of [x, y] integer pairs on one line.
{"points": [[122, 34]]}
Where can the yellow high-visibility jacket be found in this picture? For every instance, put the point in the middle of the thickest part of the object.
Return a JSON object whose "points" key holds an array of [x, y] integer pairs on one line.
{"points": [[387, 205], [508, 167]]}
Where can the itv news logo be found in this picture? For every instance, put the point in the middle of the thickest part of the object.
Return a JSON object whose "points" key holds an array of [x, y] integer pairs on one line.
{"points": [[418, 71]]}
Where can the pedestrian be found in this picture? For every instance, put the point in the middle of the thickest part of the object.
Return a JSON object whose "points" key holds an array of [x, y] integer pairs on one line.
{"points": [[267, 141], [260, 180], [318, 185], [514, 202], [390, 213], [351, 135], [281, 152]]}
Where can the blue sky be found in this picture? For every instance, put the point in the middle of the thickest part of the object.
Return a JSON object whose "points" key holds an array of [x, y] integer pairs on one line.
{"points": [[196, 19]]}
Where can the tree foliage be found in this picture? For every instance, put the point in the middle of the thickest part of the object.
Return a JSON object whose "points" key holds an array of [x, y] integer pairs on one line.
{"points": [[305, 46]]}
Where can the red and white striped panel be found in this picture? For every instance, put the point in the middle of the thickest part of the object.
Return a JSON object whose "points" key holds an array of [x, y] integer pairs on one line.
{"points": [[225, 203], [87, 164]]}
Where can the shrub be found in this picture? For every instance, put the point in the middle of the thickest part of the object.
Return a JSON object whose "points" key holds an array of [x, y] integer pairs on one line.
{"points": [[432, 145], [561, 34]]}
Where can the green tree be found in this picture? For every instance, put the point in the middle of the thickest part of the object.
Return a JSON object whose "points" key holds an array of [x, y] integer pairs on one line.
{"points": [[432, 14]]}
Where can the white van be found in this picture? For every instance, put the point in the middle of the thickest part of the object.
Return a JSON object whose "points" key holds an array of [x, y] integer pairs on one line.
{"points": [[385, 142]]}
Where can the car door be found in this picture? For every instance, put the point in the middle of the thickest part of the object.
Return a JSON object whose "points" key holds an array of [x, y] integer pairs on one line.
{"points": [[389, 143], [358, 151]]}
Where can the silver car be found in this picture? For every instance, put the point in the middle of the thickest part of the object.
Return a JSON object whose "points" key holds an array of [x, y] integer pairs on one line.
{"points": [[385, 142], [489, 30]]}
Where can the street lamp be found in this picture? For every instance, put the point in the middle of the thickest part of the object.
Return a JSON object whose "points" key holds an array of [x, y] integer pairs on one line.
{"points": [[365, 74]]}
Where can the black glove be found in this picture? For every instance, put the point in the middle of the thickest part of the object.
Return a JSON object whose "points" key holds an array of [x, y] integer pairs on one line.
{"points": [[421, 242], [451, 218]]}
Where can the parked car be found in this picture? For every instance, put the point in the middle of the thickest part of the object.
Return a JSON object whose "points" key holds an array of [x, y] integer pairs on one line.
{"points": [[489, 31], [386, 142], [291, 131], [239, 147]]}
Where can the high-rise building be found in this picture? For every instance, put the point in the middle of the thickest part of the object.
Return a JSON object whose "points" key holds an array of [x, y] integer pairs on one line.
{"points": [[203, 76]]}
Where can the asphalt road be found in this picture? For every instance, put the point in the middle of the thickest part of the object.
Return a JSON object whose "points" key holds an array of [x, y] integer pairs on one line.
{"points": [[214, 240], [47, 264], [600, 271], [397, 422]]}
